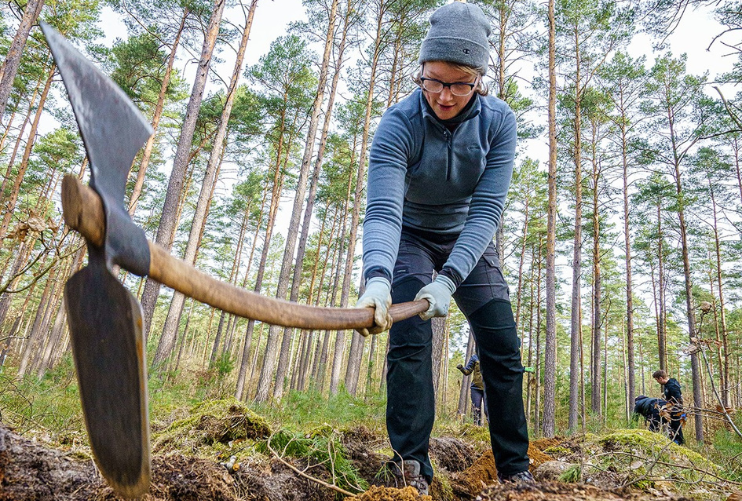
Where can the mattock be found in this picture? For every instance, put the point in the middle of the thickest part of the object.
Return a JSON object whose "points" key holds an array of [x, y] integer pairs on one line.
{"points": [[105, 319]]}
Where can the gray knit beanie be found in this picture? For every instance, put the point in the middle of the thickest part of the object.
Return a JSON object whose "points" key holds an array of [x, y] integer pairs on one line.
{"points": [[458, 34]]}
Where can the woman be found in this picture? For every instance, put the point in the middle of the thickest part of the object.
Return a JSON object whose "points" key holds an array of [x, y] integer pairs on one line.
{"points": [[439, 171], [476, 388]]}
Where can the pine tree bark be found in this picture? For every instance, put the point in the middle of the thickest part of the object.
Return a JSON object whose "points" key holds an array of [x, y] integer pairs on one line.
{"points": [[266, 370], [576, 305], [168, 221], [293, 229], [159, 107], [9, 69], [724, 375], [549, 420], [596, 320], [357, 341], [170, 329], [13, 199], [695, 366]]}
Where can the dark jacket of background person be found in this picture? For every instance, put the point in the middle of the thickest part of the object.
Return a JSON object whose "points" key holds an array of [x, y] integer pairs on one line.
{"points": [[649, 408], [672, 392], [674, 395]]}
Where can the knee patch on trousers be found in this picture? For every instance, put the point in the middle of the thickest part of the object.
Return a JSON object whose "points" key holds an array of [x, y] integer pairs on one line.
{"points": [[494, 329]]}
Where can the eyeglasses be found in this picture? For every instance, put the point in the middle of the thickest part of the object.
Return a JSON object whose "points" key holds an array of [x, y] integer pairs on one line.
{"points": [[457, 88]]}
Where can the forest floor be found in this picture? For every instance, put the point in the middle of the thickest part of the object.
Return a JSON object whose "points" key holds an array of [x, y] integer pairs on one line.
{"points": [[223, 451]]}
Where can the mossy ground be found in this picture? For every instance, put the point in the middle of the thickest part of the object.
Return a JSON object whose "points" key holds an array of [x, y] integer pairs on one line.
{"points": [[643, 460]]}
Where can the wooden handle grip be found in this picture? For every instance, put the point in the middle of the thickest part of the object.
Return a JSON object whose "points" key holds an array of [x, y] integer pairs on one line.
{"points": [[83, 211]]}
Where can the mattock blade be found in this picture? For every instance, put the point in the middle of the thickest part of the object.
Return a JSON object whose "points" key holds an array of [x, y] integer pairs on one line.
{"points": [[108, 347]]}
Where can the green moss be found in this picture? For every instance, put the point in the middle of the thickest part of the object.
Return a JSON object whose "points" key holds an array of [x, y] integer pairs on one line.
{"points": [[212, 429], [652, 444], [441, 488], [557, 451]]}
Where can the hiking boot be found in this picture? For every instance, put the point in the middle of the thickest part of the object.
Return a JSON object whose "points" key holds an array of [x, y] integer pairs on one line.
{"points": [[408, 472], [523, 477]]}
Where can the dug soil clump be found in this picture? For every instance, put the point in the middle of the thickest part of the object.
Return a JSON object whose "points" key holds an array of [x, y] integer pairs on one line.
{"points": [[380, 493], [470, 482], [553, 491]]}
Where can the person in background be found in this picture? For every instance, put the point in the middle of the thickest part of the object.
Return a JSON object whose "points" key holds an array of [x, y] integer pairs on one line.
{"points": [[673, 394], [477, 388], [650, 409], [439, 171]]}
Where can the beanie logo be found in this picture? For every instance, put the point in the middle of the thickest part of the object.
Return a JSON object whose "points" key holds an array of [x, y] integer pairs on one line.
{"points": [[466, 51]]}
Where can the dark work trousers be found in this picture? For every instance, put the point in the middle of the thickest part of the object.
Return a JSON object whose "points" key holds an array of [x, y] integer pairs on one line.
{"points": [[676, 427], [477, 397], [484, 299]]}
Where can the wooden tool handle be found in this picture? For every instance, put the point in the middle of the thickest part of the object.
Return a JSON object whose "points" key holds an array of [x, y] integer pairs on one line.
{"points": [[83, 211]]}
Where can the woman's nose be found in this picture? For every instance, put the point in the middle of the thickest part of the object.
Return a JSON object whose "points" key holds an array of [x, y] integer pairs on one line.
{"points": [[446, 94]]}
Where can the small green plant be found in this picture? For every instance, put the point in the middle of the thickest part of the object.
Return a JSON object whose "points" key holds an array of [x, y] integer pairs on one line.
{"points": [[319, 448], [572, 475], [224, 365]]}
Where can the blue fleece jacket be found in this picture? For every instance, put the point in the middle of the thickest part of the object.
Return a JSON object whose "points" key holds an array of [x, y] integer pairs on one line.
{"points": [[425, 177]]}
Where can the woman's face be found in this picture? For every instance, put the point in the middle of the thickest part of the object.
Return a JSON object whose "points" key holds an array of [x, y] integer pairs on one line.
{"points": [[445, 105]]}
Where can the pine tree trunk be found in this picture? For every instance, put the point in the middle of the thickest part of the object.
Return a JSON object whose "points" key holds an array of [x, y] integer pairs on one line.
{"points": [[661, 281], [576, 305], [293, 229], [549, 420], [9, 68], [11, 161], [266, 370], [11, 202], [521, 263], [168, 221], [596, 321], [530, 378], [159, 107], [356, 349], [724, 374], [322, 366], [439, 332], [695, 367], [370, 367], [536, 422], [629, 279]]}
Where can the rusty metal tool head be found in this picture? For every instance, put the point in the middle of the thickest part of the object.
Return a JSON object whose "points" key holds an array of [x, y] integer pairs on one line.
{"points": [[105, 318]]}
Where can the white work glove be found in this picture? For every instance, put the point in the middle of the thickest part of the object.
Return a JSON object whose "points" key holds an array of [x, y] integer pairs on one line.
{"points": [[438, 293], [378, 296]]}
